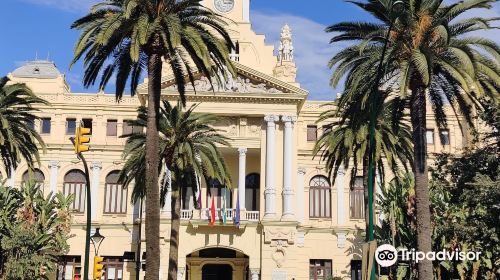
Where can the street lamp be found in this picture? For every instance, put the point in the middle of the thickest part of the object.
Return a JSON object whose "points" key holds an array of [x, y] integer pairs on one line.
{"points": [[96, 239], [397, 7]]}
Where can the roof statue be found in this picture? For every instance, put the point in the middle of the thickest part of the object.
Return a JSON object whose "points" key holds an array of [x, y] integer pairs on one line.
{"points": [[285, 68], [285, 52]]}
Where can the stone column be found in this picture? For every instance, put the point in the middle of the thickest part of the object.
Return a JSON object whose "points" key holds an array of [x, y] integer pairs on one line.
{"points": [[94, 187], [180, 272], [287, 168], [255, 273], [339, 183], [301, 172], [242, 176], [246, 10], [167, 209], [12, 178], [54, 170], [270, 192]]}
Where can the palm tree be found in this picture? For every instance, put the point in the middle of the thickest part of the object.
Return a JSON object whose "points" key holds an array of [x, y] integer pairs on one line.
{"points": [[34, 231], [188, 149], [18, 137], [346, 144], [127, 37], [432, 54]]}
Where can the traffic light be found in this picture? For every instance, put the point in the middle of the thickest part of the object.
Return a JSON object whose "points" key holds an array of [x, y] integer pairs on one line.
{"points": [[77, 273], [82, 138], [98, 267]]}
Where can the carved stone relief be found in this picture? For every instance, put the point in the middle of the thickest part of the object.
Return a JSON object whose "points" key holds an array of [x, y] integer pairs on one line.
{"points": [[230, 84]]}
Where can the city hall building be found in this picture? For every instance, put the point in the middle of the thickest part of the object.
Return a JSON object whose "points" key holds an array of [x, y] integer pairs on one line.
{"points": [[295, 224]]}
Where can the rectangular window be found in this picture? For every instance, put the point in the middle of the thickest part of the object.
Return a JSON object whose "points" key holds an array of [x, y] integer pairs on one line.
{"points": [[320, 269], [76, 189], [444, 135], [45, 126], [357, 200], [111, 128], [87, 123], [31, 122], [69, 267], [115, 199], [127, 128], [70, 126], [355, 270], [312, 133], [429, 136], [113, 268]]}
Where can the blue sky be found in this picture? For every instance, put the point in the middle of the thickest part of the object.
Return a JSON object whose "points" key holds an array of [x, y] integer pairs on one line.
{"points": [[41, 27]]}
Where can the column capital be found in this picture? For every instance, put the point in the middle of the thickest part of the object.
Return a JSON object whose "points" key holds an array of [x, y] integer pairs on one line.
{"points": [[242, 151], [289, 119], [96, 165], [54, 164], [271, 118], [301, 171], [255, 272]]}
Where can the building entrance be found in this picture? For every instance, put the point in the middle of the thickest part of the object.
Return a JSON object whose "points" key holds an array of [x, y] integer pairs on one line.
{"points": [[217, 272], [217, 264]]}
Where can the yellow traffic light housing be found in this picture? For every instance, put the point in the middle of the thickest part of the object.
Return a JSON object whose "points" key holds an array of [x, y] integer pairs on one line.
{"points": [[82, 138], [98, 267]]}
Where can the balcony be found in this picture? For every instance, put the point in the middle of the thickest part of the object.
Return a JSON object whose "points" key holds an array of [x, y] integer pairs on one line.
{"points": [[204, 214]]}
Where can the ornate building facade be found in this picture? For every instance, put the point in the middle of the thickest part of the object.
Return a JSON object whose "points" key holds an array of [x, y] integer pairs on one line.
{"points": [[295, 224]]}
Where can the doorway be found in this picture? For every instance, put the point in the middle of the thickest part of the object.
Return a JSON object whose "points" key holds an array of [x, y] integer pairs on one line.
{"points": [[217, 272]]}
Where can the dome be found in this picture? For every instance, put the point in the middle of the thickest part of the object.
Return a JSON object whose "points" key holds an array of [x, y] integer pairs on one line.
{"points": [[37, 69]]}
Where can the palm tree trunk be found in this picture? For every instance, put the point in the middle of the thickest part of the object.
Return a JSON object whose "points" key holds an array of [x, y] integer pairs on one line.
{"points": [[418, 121], [365, 192], [152, 162], [173, 255]]}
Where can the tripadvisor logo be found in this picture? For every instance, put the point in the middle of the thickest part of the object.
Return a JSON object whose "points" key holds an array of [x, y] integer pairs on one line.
{"points": [[386, 255]]}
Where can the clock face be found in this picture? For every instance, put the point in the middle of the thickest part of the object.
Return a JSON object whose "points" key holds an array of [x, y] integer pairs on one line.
{"points": [[224, 6]]}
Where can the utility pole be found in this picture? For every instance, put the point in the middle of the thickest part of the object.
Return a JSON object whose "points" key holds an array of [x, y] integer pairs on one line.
{"points": [[79, 141]]}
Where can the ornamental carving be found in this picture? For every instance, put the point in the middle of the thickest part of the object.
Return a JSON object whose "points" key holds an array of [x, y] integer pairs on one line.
{"points": [[279, 234], [239, 84]]}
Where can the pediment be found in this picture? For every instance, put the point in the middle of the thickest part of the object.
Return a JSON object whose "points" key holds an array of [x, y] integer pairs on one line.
{"points": [[247, 81]]}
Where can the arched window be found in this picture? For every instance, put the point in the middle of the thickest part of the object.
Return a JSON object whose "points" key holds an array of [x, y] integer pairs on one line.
{"points": [[252, 187], [36, 176], [115, 196], [74, 184], [320, 197]]}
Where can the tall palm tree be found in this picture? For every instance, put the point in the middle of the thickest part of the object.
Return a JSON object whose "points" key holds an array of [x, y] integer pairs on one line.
{"points": [[18, 137], [346, 144], [127, 37], [189, 148], [433, 54]]}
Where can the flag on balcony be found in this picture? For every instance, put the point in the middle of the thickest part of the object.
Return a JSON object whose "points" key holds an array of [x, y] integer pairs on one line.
{"points": [[224, 218], [212, 213], [237, 214]]}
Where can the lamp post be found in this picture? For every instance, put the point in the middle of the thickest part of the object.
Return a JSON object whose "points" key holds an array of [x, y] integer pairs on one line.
{"points": [[96, 240], [396, 8]]}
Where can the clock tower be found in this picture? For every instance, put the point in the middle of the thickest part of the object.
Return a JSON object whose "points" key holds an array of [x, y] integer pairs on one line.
{"points": [[236, 10]]}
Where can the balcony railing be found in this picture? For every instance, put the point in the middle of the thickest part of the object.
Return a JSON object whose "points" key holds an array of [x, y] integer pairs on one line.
{"points": [[251, 216]]}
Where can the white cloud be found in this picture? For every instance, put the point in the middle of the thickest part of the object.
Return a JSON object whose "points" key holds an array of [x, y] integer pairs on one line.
{"points": [[66, 5], [312, 49]]}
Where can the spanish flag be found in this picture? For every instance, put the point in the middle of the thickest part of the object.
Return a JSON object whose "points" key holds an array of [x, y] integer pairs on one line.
{"points": [[212, 213]]}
